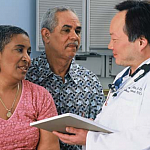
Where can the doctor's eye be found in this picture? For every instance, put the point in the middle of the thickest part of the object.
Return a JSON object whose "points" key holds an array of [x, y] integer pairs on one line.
{"points": [[114, 40]]}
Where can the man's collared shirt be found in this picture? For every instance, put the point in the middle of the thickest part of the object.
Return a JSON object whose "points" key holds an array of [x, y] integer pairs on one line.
{"points": [[81, 93]]}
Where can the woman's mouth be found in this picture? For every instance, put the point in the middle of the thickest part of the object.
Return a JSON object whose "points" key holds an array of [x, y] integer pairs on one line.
{"points": [[23, 68]]}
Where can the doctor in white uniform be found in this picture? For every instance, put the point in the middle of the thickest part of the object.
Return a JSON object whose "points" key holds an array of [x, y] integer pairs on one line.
{"points": [[127, 108]]}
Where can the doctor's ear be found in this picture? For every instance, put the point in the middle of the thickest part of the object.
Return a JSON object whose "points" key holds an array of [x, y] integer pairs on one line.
{"points": [[143, 42], [45, 35], [0, 60]]}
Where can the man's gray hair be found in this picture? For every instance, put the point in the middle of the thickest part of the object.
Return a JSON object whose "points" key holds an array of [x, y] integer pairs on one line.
{"points": [[50, 20]]}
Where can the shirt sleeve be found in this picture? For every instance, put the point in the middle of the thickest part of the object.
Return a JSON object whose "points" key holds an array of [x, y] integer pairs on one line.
{"points": [[33, 72], [48, 108]]}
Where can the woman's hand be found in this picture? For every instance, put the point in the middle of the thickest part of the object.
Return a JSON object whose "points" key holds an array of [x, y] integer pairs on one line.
{"points": [[78, 137]]}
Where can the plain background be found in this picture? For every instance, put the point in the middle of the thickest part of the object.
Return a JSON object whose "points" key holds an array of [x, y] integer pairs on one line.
{"points": [[20, 13]]}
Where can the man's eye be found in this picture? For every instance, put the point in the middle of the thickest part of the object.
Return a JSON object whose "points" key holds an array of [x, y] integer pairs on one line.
{"points": [[78, 32], [67, 30]]}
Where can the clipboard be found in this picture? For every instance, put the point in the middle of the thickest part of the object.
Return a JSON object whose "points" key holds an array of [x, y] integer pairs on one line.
{"points": [[60, 122]]}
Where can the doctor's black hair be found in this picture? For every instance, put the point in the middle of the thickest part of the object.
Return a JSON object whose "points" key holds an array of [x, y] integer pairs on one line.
{"points": [[7, 32], [137, 21]]}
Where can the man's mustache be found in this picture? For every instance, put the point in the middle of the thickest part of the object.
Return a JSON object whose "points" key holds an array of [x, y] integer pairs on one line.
{"points": [[76, 43]]}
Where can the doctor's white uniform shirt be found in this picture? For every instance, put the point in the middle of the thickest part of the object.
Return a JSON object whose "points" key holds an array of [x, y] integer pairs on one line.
{"points": [[129, 114]]}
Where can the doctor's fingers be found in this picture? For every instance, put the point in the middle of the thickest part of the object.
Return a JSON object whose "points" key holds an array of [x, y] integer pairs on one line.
{"points": [[75, 130], [76, 139], [72, 130], [68, 141], [73, 140], [80, 135], [66, 138]]}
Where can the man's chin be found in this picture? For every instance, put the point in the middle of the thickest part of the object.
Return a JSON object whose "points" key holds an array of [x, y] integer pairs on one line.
{"points": [[71, 56], [72, 49], [121, 63]]}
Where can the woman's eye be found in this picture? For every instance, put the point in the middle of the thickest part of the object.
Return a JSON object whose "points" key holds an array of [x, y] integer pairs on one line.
{"points": [[29, 53], [20, 49]]}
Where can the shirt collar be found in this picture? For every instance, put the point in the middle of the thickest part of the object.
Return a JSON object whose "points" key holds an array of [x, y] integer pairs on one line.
{"points": [[45, 66], [73, 70]]}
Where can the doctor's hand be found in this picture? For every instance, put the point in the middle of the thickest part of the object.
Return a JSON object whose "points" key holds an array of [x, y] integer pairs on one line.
{"points": [[79, 137]]}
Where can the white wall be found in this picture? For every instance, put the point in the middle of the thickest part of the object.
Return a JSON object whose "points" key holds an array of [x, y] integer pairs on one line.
{"points": [[21, 13]]}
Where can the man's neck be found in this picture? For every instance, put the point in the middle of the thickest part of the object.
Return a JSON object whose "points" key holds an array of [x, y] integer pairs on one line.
{"points": [[60, 67]]}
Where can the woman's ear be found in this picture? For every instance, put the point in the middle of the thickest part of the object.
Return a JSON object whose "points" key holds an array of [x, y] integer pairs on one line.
{"points": [[45, 35]]}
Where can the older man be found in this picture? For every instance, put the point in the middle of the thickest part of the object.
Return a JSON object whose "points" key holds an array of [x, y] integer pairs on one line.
{"points": [[74, 88]]}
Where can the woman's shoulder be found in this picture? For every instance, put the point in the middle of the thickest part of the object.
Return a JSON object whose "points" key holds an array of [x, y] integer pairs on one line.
{"points": [[30, 85]]}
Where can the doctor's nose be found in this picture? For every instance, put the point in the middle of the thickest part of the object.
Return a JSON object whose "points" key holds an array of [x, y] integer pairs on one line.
{"points": [[110, 45]]}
